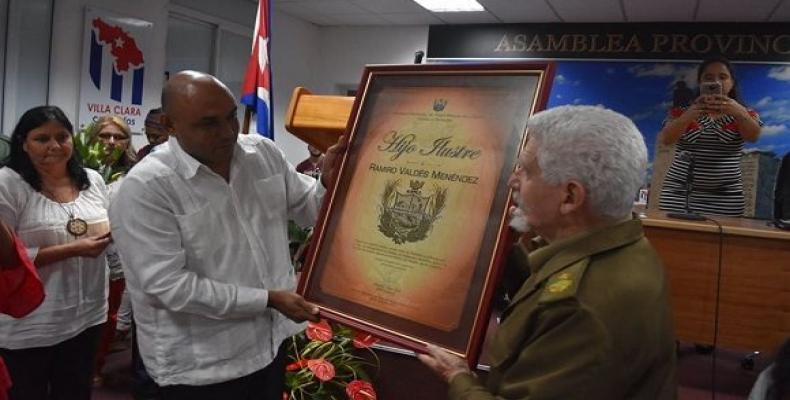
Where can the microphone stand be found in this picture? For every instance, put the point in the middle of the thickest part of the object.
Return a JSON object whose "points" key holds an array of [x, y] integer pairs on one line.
{"points": [[418, 55], [688, 214]]}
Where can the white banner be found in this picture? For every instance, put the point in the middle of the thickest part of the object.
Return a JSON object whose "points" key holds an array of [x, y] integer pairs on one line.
{"points": [[114, 70]]}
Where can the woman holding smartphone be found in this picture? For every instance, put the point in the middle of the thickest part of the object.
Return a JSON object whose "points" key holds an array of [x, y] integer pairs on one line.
{"points": [[59, 210], [709, 136]]}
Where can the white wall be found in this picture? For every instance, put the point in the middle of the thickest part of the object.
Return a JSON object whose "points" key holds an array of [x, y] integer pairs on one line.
{"points": [[326, 60], [295, 59], [238, 11], [26, 58], [346, 50]]}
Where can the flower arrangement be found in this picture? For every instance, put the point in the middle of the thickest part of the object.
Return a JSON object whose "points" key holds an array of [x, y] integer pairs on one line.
{"points": [[94, 155], [325, 364]]}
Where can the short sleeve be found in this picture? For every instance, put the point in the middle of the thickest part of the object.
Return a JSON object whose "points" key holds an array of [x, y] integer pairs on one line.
{"points": [[14, 193], [100, 187], [673, 114], [755, 115]]}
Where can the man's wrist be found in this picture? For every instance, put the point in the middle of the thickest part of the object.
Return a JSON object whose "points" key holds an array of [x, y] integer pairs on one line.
{"points": [[452, 375], [273, 298]]}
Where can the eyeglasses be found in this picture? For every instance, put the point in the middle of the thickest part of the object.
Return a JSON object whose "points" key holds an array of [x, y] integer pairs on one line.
{"points": [[117, 137]]}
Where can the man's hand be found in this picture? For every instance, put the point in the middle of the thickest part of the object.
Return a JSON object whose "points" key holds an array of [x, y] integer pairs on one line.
{"points": [[293, 306], [443, 363], [332, 161]]}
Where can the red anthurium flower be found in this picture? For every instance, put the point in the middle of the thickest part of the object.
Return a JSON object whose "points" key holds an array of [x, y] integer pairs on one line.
{"points": [[322, 369], [320, 331], [295, 366], [693, 126], [360, 390], [364, 340], [676, 112]]}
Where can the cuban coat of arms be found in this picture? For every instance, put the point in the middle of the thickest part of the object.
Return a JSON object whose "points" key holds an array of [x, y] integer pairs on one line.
{"points": [[408, 216]]}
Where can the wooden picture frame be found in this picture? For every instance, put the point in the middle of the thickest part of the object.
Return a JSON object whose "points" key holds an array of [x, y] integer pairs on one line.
{"points": [[409, 242]]}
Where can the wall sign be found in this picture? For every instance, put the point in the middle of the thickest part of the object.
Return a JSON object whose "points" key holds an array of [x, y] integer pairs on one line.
{"points": [[113, 67], [666, 41]]}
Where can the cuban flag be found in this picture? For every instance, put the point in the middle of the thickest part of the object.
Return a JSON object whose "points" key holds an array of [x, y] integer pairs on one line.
{"points": [[257, 86]]}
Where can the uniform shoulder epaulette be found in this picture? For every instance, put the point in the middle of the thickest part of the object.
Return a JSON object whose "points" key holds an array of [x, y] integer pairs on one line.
{"points": [[564, 283]]}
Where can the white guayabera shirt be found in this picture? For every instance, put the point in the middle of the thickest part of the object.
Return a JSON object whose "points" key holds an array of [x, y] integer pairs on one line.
{"points": [[75, 288], [200, 255]]}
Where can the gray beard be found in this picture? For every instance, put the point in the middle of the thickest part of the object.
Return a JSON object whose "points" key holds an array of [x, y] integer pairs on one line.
{"points": [[518, 221]]}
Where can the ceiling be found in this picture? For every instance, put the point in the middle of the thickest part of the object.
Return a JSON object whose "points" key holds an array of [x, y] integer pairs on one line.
{"points": [[406, 12]]}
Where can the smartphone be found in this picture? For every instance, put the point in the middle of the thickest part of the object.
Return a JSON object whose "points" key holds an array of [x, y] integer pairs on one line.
{"points": [[710, 88]]}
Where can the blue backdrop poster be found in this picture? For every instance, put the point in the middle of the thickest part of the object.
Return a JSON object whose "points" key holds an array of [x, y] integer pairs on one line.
{"points": [[643, 91]]}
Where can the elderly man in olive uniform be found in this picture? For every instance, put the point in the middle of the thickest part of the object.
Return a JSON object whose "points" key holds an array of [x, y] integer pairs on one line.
{"points": [[593, 319]]}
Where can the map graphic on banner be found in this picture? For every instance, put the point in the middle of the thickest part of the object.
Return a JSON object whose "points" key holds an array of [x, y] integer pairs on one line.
{"points": [[113, 68]]}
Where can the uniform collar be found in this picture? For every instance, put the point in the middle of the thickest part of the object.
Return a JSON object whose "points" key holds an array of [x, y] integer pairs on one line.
{"points": [[559, 255], [549, 259]]}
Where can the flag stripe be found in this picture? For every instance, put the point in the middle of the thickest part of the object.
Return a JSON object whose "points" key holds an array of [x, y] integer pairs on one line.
{"points": [[257, 86], [116, 86], [137, 86], [96, 61]]}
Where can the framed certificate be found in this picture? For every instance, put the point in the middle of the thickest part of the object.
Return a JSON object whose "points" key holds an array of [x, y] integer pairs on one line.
{"points": [[410, 240]]}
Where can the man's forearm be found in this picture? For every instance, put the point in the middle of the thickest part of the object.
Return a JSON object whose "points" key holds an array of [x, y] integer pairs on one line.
{"points": [[466, 386]]}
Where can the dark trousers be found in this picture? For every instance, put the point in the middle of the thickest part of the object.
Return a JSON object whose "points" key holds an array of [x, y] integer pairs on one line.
{"points": [[108, 333], [265, 384], [63, 371]]}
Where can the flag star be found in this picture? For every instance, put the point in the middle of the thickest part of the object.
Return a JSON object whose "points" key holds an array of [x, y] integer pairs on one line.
{"points": [[263, 53], [119, 42]]}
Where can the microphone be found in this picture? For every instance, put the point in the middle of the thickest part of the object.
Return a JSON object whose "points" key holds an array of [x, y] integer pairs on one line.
{"points": [[687, 214], [418, 56]]}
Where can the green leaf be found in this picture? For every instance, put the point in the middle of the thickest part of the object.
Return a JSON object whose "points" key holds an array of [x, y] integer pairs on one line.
{"points": [[349, 365]]}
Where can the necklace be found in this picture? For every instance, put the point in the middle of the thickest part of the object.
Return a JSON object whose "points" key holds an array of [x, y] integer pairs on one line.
{"points": [[75, 225]]}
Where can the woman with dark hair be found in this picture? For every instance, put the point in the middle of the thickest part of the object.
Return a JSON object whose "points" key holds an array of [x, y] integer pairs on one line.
{"points": [[59, 210], [709, 136]]}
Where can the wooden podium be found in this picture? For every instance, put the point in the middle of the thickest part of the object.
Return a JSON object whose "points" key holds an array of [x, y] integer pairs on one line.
{"points": [[738, 279], [730, 286], [318, 120]]}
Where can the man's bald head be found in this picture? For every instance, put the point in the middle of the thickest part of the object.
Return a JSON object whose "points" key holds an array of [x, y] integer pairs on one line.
{"points": [[200, 112], [184, 85]]}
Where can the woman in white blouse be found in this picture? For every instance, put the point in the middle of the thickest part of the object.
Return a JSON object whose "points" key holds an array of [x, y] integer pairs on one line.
{"points": [[59, 209], [116, 136]]}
